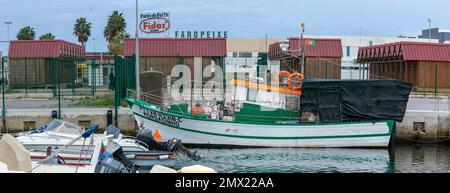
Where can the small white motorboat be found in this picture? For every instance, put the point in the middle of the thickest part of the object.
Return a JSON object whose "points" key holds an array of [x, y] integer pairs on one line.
{"points": [[43, 141]]}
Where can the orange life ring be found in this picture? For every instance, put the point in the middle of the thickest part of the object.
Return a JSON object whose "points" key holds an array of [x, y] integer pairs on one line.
{"points": [[290, 81], [197, 110], [281, 73]]}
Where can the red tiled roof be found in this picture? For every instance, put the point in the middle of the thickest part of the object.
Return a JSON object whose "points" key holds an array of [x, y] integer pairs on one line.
{"points": [[325, 48], [44, 49], [407, 51], [176, 47]]}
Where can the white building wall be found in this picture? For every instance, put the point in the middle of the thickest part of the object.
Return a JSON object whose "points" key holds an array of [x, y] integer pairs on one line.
{"points": [[241, 64]]}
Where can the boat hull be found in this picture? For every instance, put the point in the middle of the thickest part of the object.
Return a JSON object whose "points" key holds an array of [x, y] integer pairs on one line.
{"points": [[215, 133]]}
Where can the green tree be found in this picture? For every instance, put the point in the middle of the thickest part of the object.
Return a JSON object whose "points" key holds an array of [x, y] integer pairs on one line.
{"points": [[47, 36], [116, 45], [26, 33], [115, 32], [82, 29]]}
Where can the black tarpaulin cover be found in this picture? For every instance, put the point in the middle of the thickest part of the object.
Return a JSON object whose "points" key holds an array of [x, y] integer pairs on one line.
{"points": [[351, 100]]}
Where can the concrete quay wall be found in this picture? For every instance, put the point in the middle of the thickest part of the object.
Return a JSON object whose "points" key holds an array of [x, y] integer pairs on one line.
{"points": [[424, 126], [23, 119]]}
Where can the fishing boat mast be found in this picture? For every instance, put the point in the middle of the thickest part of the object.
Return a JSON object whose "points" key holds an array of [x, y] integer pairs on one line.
{"points": [[302, 48]]}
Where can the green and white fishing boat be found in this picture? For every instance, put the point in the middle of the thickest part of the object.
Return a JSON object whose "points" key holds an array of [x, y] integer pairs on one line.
{"points": [[346, 114]]}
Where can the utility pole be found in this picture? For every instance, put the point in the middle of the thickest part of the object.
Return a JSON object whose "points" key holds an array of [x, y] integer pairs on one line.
{"points": [[3, 95], [138, 89], [4, 80], [302, 48], [429, 30]]}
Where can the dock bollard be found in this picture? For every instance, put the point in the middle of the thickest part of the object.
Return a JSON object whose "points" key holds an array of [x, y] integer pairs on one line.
{"points": [[109, 117], [54, 114]]}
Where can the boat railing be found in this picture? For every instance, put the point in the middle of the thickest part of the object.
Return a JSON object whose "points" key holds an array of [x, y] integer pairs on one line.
{"points": [[139, 142]]}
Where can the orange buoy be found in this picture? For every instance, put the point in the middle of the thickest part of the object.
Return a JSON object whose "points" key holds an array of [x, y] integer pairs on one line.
{"points": [[297, 85], [281, 73], [157, 136]]}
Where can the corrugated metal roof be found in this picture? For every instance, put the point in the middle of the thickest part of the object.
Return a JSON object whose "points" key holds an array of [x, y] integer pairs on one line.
{"points": [[325, 48], [176, 47], [407, 51], [44, 49]]}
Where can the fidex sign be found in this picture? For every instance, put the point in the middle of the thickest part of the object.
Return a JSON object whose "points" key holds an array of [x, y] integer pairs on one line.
{"points": [[201, 34], [153, 23]]}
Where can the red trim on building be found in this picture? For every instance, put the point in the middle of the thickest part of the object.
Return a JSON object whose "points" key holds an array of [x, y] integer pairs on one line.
{"points": [[44, 49], [104, 57], [325, 48], [407, 51], [148, 47]]}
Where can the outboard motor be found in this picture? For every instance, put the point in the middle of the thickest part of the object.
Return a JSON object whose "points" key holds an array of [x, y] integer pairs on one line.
{"points": [[113, 160], [145, 138], [112, 130]]}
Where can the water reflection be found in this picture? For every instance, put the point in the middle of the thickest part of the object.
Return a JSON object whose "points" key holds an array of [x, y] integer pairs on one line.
{"points": [[402, 158], [422, 159], [296, 160]]}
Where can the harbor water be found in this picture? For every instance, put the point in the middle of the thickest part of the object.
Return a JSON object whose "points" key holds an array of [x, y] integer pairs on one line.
{"points": [[401, 159]]}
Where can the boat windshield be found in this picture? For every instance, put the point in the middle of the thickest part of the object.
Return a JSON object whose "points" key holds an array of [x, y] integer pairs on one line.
{"points": [[64, 127]]}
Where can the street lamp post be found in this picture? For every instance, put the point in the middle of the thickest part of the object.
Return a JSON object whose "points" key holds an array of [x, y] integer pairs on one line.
{"points": [[137, 52], [429, 30], [302, 26], [4, 80]]}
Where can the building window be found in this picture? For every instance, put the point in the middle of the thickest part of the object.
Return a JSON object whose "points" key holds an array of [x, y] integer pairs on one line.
{"points": [[419, 126], [105, 71], [348, 51], [245, 54]]}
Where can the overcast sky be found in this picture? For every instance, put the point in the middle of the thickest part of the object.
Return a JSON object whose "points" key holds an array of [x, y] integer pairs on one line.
{"points": [[241, 18]]}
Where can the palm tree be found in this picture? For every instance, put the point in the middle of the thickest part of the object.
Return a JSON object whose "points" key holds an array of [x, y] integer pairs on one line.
{"points": [[47, 36], [26, 33], [82, 30], [115, 32]]}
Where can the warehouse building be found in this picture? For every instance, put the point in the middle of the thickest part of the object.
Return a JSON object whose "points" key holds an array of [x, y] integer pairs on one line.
{"points": [[162, 54], [42, 63], [426, 65], [322, 57], [350, 69]]}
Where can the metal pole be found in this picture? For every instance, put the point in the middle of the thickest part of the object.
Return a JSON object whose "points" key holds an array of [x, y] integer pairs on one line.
{"points": [[3, 96], [435, 80], [429, 30], [303, 49], [26, 77], [59, 87], [138, 89], [117, 88]]}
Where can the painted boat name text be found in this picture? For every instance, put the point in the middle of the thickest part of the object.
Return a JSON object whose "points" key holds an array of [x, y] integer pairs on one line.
{"points": [[160, 117]]}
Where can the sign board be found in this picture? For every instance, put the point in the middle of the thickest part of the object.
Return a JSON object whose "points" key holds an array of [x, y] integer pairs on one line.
{"points": [[153, 23], [201, 34]]}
